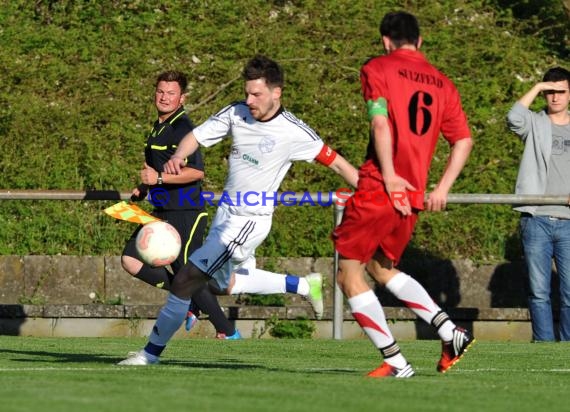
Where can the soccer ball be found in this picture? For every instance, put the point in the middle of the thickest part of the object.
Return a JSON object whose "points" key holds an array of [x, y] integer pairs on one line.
{"points": [[158, 243]]}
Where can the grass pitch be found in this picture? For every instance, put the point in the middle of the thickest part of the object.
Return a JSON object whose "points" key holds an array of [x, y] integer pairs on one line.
{"points": [[80, 375]]}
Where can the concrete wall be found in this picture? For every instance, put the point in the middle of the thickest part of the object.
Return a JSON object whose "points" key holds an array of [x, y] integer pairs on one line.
{"points": [[92, 295], [74, 279]]}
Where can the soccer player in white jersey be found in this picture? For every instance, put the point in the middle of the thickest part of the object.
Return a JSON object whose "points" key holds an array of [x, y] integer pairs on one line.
{"points": [[266, 139]]}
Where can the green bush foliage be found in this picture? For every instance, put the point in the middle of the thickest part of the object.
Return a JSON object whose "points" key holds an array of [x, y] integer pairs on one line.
{"points": [[278, 300], [76, 104], [300, 328]]}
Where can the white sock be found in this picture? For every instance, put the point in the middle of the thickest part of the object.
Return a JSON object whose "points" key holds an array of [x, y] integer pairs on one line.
{"points": [[262, 282], [169, 319], [416, 298], [368, 312]]}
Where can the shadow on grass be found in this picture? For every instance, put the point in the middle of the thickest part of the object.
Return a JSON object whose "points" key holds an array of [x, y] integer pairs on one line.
{"points": [[237, 364], [36, 357], [41, 356]]}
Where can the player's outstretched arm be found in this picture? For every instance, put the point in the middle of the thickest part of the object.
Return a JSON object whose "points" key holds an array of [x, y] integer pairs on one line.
{"points": [[187, 146], [460, 151], [342, 167]]}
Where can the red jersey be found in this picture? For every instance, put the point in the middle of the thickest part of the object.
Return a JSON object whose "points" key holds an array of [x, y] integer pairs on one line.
{"points": [[421, 103]]}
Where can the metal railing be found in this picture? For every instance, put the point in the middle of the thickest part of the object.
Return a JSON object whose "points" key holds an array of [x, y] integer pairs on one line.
{"points": [[458, 198], [338, 207]]}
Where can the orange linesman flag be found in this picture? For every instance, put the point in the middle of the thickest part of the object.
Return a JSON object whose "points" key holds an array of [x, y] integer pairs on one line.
{"points": [[130, 213]]}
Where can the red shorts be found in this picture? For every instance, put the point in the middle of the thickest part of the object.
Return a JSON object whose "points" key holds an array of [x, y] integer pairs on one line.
{"points": [[370, 222]]}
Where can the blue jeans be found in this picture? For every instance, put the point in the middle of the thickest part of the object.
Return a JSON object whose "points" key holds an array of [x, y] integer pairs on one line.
{"points": [[544, 238]]}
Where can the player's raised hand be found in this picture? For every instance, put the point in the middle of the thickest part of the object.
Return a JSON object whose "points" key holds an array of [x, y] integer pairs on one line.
{"points": [[553, 86], [174, 165]]}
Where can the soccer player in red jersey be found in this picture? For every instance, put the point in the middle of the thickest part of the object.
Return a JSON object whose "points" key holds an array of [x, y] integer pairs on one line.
{"points": [[409, 104]]}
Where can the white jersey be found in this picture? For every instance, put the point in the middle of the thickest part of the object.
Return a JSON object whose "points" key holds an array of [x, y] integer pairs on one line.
{"points": [[261, 154]]}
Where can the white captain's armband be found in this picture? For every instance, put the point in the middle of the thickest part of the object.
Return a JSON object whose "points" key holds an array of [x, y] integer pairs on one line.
{"points": [[326, 156]]}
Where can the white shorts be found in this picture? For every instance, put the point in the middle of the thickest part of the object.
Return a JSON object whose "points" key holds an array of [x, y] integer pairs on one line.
{"points": [[230, 245]]}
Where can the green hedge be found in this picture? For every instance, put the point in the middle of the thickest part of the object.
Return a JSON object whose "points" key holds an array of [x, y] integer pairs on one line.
{"points": [[76, 104]]}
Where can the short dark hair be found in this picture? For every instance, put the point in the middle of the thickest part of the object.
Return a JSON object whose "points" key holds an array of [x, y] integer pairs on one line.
{"points": [[556, 74], [173, 76], [401, 27], [261, 67]]}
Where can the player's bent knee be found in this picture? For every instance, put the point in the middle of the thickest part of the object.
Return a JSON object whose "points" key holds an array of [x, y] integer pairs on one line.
{"points": [[187, 281], [131, 265], [215, 289]]}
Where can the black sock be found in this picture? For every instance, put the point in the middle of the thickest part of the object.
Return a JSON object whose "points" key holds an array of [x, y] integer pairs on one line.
{"points": [[208, 303], [158, 277]]}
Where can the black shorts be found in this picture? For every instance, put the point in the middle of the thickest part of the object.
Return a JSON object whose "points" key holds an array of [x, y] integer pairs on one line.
{"points": [[191, 225]]}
